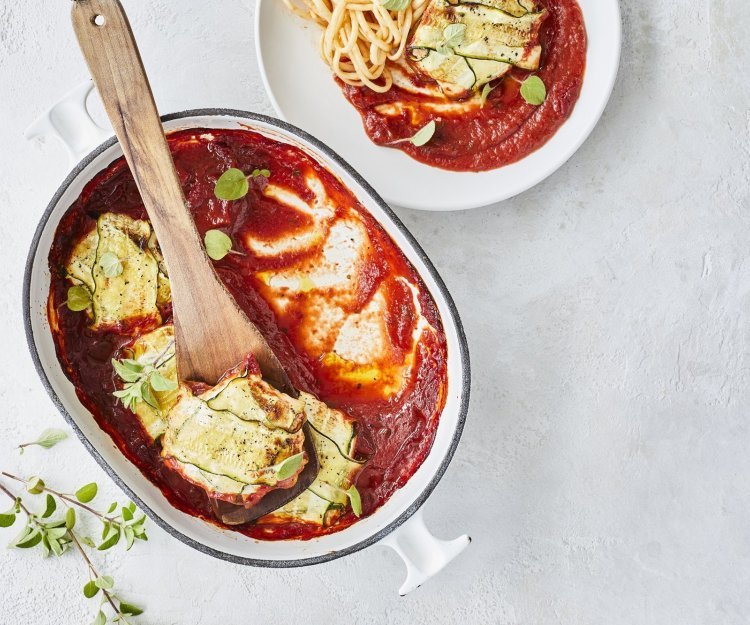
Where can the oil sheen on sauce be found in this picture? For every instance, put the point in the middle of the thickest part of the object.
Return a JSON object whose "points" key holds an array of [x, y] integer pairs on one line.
{"points": [[346, 313]]}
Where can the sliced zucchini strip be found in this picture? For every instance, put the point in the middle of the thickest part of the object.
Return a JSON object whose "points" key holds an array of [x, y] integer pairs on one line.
{"points": [[498, 27], [334, 424], [164, 289], [219, 486], [487, 71], [516, 8], [337, 472], [308, 508], [457, 76], [451, 72], [252, 399]]}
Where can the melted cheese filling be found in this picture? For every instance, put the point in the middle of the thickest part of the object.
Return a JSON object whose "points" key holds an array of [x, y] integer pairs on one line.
{"points": [[323, 296]]}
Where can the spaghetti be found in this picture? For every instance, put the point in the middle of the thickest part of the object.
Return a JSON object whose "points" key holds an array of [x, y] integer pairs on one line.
{"points": [[360, 37]]}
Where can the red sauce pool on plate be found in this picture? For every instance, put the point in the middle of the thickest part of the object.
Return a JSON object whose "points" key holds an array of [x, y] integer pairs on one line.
{"points": [[506, 128]]}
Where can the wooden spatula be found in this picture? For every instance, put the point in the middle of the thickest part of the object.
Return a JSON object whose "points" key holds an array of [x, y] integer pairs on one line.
{"points": [[212, 334]]}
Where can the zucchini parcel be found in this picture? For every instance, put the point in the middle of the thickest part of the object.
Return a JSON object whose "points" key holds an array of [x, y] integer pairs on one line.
{"points": [[465, 45], [138, 289], [335, 436]]}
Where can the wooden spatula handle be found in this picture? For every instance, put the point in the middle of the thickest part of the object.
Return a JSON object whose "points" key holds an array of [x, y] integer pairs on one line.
{"points": [[212, 332], [110, 50]]}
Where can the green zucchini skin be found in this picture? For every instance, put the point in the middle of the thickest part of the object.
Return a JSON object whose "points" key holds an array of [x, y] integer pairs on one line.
{"points": [[251, 399], [516, 8]]}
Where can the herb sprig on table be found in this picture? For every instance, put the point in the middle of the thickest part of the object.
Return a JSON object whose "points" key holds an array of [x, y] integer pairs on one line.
{"points": [[53, 529]]}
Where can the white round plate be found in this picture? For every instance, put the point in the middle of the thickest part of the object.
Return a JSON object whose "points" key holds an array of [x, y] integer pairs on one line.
{"points": [[303, 92]]}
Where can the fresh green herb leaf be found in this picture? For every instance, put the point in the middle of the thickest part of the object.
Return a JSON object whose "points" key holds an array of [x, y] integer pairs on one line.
{"points": [[453, 35], [355, 500], [395, 5], [100, 619], [47, 439], [129, 537], [55, 546], [113, 537], [79, 298], [35, 485], [111, 265], [127, 515], [9, 518], [112, 507], [231, 185], [32, 539], [45, 545], [57, 532], [217, 244], [424, 134], [289, 466], [533, 90], [87, 493], [90, 589], [160, 383], [130, 610], [105, 582], [126, 372], [86, 540], [70, 518], [486, 90], [50, 507], [266, 173], [148, 395]]}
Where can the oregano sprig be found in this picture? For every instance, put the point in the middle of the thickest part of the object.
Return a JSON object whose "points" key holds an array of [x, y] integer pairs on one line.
{"points": [[114, 527], [55, 537], [47, 439], [141, 380]]}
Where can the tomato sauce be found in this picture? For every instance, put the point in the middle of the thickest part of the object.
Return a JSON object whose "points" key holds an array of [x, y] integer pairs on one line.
{"points": [[506, 128], [395, 431]]}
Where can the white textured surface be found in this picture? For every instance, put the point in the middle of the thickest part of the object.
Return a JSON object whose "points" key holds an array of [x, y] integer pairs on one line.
{"points": [[603, 471]]}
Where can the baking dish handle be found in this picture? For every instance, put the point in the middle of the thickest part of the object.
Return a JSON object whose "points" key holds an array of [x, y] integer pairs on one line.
{"points": [[69, 121], [422, 553]]}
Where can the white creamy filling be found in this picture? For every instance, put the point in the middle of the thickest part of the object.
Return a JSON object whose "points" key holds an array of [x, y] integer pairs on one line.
{"points": [[363, 338], [336, 268], [321, 210]]}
